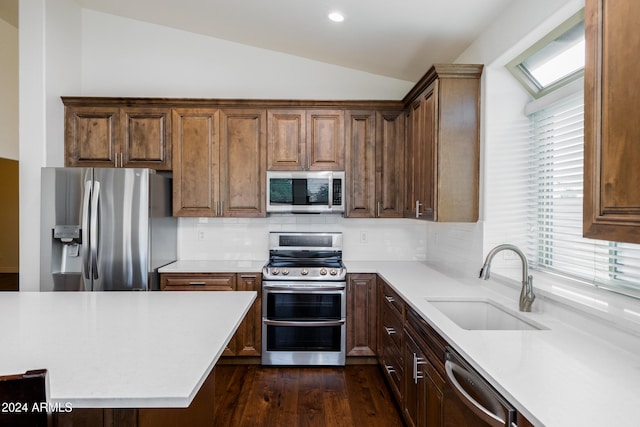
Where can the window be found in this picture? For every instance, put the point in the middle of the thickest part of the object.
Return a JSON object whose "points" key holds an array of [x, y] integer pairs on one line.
{"points": [[556, 242], [554, 61]]}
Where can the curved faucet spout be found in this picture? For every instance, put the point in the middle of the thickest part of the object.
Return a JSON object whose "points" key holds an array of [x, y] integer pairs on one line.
{"points": [[526, 294]]}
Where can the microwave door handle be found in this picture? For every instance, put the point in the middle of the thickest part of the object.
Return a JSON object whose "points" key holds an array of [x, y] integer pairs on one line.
{"points": [[330, 191]]}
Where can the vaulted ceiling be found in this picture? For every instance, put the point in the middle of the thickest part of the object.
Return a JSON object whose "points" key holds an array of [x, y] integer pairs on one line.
{"points": [[399, 39]]}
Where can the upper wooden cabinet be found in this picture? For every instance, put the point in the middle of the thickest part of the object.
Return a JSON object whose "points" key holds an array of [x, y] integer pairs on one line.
{"points": [[196, 152], [443, 145], [374, 159], [219, 162], [612, 101], [110, 135], [301, 139], [243, 151]]}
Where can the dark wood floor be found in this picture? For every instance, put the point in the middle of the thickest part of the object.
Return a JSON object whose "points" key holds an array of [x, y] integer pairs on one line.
{"points": [[254, 395], [8, 281]]}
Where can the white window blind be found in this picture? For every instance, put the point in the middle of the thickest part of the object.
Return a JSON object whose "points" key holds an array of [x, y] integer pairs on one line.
{"points": [[556, 243]]}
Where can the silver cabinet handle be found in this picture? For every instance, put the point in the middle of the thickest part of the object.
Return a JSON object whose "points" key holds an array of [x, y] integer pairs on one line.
{"points": [[418, 213], [390, 330], [417, 361], [197, 283], [389, 368], [121, 159], [378, 209], [486, 415], [389, 299]]}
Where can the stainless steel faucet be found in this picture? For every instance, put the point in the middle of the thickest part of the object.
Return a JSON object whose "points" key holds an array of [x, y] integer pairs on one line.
{"points": [[526, 294]]}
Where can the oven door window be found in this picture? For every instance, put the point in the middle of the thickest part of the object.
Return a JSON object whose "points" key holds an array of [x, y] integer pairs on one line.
{"points": [[303, 338], [304, 306]]}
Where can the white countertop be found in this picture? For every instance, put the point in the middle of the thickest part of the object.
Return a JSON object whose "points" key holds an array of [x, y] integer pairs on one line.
{"points": [[214, 266], [563, 376], [119, 349]]}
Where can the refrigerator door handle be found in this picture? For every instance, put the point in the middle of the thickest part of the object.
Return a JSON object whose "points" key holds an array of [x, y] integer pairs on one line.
{"points": [[94, 229], [85, 228]]}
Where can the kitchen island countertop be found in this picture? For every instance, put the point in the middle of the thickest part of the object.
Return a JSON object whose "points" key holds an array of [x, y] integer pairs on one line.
{"points": [[119, 349]]}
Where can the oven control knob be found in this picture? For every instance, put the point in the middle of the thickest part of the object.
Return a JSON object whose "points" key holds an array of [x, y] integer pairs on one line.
{"points": [[285, 271], [304, 272], [333, 272], [275, 271], [323, 271]]}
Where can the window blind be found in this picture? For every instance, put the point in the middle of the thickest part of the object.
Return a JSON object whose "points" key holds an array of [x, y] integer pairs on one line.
{"points": [[555, 215]]}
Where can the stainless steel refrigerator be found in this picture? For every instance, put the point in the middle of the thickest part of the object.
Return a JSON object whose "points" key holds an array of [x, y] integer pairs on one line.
{"points": [[105, 229]]}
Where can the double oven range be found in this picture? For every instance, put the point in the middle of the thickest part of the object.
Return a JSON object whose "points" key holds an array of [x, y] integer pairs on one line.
{"points": [[304, 300]]}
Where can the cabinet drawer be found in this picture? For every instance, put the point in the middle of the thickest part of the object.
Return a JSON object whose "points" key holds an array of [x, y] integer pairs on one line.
{"points": [[392, 326], [392, 300], [198, 282], [392, 364]]}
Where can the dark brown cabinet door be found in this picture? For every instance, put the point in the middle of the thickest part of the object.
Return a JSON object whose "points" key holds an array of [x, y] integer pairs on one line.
{"points": [[146, 137], [243, 151], [287, 149], [415, 391], [389, 147], [92, 136], [360, 156], [325, 139], [362, 315], [612, 102], [195, 140], [249, 335]]}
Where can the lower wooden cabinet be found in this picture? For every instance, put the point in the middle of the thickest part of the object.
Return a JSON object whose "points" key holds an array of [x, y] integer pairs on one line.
{"points": [[362, 315], [247, 341]]}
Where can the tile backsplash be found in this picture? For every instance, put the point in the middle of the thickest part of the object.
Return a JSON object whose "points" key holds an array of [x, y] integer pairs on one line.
{"points": [[247, 238]]}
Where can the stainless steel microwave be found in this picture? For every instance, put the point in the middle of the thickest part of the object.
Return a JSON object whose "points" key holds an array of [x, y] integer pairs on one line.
{"points": [[305, 191]]}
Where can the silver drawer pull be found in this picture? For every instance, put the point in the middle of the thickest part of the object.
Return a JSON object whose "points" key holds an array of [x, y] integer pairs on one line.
{"points": [[389, 299], [197, 283], [390, 370], [390, 330]]}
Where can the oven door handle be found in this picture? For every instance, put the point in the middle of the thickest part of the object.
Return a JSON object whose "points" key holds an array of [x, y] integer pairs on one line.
{"points": [[303, 324], [304, 288]]}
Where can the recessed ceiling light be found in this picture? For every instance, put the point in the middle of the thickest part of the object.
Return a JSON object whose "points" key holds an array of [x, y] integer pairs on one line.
{"points": [[336, 17]]}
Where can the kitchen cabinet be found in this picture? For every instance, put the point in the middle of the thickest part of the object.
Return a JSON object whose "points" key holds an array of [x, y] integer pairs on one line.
{"points": [[374, 163], [442, 156], [306, 139], [219, 162], [360, 156], [112, 135], [196, 153], [362, 315], [612, 101], [247, 341], [412, 357], [243, 151], [391, 339]]}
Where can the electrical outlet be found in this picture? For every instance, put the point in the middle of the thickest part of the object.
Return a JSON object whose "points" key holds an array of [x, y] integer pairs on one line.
{"points": [[364, 238], [201, 235]]}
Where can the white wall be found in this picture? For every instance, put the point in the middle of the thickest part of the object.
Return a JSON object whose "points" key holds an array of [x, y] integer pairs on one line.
{"points": [[125, 57], [49, 67], [9, 91], [504, 133], [247, 239]]}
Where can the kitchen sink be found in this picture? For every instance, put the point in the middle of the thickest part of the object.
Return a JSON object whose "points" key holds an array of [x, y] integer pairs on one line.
{"points": [[482, 314]]}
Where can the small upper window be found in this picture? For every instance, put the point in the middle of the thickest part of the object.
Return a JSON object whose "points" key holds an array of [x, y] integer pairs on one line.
{"points": [[555, 60]]}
